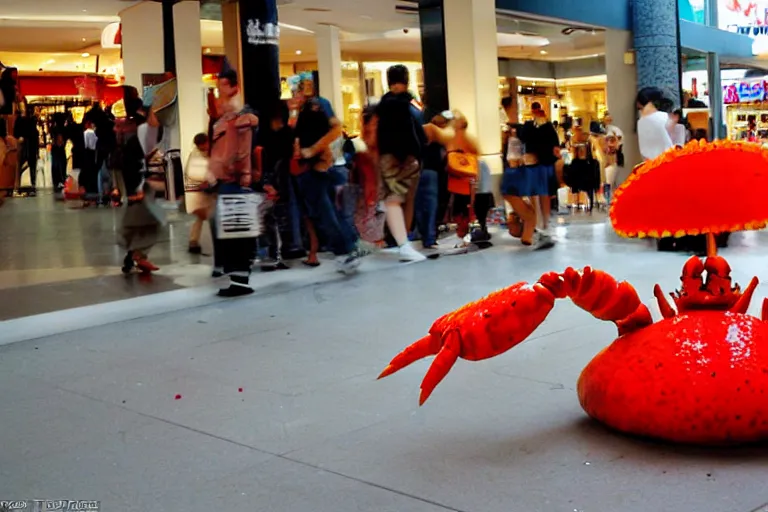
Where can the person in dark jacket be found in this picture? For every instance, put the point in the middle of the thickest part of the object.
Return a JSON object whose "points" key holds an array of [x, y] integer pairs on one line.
{"points": [[400, 140]]}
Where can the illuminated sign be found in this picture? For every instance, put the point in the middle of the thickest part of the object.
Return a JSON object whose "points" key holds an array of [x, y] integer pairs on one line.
{"points": [[749, 18]]}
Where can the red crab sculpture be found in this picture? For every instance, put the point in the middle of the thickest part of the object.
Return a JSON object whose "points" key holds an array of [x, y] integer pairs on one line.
{"points": [[700, 374]]}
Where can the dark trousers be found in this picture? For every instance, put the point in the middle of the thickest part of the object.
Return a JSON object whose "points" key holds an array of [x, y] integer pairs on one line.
{"points": [[427, 199], [58, 168], [318, 190], [30, 158]]}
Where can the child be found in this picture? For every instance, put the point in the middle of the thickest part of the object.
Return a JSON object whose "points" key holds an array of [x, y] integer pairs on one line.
{"points": [[275, 160], [197, 200], [369, 216]]}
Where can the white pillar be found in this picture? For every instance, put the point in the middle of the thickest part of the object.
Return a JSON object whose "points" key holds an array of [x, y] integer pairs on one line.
{"points": [[622, 90], [329, 66], [473, 71], [142, 31], [189, 74], [230, 21]]}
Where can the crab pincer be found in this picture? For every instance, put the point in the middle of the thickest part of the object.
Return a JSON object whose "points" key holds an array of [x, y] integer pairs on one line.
{"points": [[504, 319]]}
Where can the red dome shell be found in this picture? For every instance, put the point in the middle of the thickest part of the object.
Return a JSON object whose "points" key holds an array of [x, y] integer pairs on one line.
{"points": [[699, 378]]}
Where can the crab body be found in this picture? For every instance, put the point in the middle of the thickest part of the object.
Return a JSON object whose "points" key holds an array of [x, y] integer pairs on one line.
{"points": [[701, 377]]}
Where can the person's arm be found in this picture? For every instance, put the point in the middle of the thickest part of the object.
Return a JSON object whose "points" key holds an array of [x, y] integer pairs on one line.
{"points": [[336, 130], [443, 136]]}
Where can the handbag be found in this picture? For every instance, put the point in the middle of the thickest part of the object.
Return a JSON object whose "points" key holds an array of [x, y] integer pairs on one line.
{"points": [[462, 172], [240, 216]]}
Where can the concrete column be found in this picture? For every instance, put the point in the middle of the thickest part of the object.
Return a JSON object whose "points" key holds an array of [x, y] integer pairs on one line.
{"points": [[656, 44], [230, 21], [473, 68], [717, 129], [260, 55], [142, 31], [622, 88], [189, 74], [329, 66]]}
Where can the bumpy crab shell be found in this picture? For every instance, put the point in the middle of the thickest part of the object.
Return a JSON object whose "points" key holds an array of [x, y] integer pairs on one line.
{"points": [[701, 378]]}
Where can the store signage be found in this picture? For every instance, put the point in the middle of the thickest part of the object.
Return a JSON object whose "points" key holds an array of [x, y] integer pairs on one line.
{"points": [[262, 34], [746, 18], [745, 91]]}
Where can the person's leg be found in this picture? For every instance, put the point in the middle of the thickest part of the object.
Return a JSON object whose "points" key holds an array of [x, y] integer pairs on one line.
{"points": [[426, 207], [527, 214], [483, 204], [194, 234]]}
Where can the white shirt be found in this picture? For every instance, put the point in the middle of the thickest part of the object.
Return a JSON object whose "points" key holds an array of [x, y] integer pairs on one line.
{"points": [[90, 139], [653, 136], [678, 134]]}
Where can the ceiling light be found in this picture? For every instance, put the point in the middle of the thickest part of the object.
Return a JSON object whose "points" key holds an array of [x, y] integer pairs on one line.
{"points": [[207, 50], [295, 27], [85, 55], [51, 61], [298, 52], [85, 10], [83, 39], [543, 52]]}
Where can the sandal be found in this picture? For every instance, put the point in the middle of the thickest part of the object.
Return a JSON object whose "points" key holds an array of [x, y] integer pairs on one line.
{"points": [[311, 264]]}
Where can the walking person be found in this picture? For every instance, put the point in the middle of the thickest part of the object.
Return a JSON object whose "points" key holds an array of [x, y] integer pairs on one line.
{"points": [[428, 193], [400, 140], [541, 151], [196, 197], [231, 167], [316, 129], [139, 137]]}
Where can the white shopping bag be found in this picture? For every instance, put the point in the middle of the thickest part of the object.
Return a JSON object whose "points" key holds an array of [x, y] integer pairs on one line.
{"points": [[239, 216]]}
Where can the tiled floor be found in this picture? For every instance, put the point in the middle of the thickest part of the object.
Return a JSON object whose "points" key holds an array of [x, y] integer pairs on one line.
{"points": [[91, 413]]}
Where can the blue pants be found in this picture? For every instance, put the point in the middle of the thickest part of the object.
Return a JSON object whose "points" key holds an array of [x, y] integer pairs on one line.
{"points": [[319, 191], [426, 207]]}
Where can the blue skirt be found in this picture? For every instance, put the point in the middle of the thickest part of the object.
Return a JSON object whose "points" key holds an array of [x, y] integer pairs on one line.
{"points": [[527, 181]]}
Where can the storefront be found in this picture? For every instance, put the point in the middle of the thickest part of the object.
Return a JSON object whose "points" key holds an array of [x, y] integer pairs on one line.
{"points": [[362, 83], [566, 101], [746, 103]]}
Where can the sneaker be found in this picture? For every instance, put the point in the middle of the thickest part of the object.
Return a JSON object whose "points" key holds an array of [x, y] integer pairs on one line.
{"points": [[348, 264], [543, 241], [410, 255], [217, 273]]}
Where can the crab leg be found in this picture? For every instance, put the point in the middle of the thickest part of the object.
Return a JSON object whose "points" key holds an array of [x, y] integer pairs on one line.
{"points": [[664, 307], [495, 324], [742, 305]]}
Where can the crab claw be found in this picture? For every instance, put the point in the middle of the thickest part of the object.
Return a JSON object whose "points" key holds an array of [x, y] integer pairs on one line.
{"points": [[493, 325], [477, 331]]}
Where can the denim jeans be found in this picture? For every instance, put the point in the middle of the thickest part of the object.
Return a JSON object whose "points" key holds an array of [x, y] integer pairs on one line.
{"points": [[426, 207], [340, 178], [319, 189]]}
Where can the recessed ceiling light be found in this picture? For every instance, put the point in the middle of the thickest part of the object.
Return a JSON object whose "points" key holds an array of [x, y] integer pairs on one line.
{"points": [[298, 52], [85, 10], [207, 50], [543, 52], [85, 55], [83, 39], [51, 61]]}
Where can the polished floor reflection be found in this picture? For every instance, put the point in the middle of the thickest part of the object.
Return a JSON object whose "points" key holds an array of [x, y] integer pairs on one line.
{"points": [[54, 257]]}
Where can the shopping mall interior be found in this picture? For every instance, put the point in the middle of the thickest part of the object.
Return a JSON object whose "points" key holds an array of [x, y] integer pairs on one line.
{"points": [[130, 390]]}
